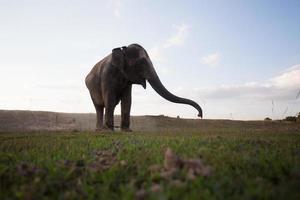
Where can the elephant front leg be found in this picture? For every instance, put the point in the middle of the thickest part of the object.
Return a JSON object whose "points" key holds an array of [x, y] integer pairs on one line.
{"points": [[109, 114], [125, 110]]}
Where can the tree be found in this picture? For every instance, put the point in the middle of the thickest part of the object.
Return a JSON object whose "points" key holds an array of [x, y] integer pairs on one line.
{"points": [[268, 119], [290, 118]]}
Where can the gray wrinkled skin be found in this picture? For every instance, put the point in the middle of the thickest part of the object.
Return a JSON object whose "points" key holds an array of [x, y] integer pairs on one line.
{"points": [[110, 81]]}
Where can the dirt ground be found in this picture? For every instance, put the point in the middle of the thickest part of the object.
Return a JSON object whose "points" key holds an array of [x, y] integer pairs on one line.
{"points": [[17, 120]]}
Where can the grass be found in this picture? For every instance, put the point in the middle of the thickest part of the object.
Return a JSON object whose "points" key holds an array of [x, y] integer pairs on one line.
{"points": [[249, 164]]}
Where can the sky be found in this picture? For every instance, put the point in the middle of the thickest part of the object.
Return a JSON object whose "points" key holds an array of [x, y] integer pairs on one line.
{"points": [[238, 59]]}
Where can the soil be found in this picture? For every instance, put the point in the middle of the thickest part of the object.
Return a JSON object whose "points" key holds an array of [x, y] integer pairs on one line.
{"points": [[25, 121]]}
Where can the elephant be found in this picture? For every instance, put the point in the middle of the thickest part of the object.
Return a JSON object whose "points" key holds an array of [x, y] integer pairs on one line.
{"points": [[110, 81]]}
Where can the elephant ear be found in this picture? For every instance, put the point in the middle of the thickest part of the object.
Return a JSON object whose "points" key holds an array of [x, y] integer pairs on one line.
{"points": [[117, 58]]}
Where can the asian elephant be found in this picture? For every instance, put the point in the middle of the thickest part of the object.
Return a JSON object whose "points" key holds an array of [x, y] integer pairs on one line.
{"points": [[111, 79]]}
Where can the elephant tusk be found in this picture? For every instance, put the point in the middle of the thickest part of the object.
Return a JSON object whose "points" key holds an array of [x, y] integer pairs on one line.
{"points": [[144, 84]]}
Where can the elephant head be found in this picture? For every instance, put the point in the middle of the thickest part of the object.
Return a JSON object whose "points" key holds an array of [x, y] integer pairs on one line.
{"points": [[137, 67]]}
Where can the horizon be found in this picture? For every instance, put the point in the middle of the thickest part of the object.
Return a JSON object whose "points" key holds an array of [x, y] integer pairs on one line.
{"points": [[146, 115], [237, 60]]}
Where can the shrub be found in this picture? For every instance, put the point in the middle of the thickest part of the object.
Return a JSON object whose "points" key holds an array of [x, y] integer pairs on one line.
{"points": [[290, 118]]}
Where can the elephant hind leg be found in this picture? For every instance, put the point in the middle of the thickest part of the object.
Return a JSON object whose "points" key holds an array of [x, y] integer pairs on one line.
{"points": [[99, 112]]}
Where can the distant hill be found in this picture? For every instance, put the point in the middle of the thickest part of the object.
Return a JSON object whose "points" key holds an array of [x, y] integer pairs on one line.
{"points": [[17, 120]]}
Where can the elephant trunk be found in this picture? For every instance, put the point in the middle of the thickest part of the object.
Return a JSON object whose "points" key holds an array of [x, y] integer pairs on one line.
{"points": [[156, 84]]}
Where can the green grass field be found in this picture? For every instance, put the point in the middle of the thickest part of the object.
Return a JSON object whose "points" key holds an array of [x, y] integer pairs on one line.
{"points": [[248, 164]]}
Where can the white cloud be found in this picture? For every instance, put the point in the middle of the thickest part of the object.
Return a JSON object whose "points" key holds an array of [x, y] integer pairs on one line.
{"points": [[157, 52], [294, 67], [288, 79], [276, 97], [178, 39], [285, 86], [116, 7], [211, 60]]}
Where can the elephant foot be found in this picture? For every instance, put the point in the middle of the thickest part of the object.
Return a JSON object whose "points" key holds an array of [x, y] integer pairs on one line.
{"points": [[98, 129], [108, 128], [103, 129]]}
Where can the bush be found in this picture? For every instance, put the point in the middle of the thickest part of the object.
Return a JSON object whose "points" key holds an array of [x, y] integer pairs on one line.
{"points": [[268, 119], [290, 118]]}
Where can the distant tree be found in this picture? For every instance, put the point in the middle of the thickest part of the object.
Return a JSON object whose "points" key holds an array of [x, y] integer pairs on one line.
{"points": [[268, 119], [290, 118]]}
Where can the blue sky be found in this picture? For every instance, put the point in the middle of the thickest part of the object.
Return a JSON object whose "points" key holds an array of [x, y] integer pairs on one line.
{"points": [[237, 59]]}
